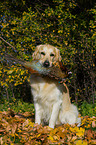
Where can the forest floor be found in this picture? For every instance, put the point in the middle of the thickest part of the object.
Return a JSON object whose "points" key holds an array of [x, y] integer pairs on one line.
{"points": [[19, 128]]}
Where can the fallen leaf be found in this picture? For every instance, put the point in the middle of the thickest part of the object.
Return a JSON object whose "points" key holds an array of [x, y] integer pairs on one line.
{"points": [[93, 124], [14, 127]]}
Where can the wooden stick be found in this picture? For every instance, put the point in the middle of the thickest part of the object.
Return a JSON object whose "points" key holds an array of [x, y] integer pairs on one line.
{"points": [[7, 43]]}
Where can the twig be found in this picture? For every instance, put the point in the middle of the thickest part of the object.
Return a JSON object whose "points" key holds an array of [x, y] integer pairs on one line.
{"points": [[7, 43]]}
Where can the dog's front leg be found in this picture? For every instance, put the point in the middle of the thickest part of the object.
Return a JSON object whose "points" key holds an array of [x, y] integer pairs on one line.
{"points": [[38, 113], [54, 115]]}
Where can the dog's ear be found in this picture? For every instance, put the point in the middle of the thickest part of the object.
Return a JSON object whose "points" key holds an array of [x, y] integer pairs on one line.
{"points": [[36, 54], [58, 57]]}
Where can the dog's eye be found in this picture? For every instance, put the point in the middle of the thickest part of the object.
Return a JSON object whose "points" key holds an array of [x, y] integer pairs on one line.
{"points": [[51, 54], [42, 53]]}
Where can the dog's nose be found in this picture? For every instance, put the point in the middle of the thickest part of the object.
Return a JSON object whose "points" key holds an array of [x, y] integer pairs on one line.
{"points": [[46, 63]]}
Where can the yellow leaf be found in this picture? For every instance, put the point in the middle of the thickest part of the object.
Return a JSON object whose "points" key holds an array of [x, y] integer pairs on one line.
{"points": [[51, 138], [19, 130], [13, 32], [38, 135], [31, 123], [10, 72], [56, 137], [80, 132], [12, 134], [80, 142], [85, 143], [22, 72]]}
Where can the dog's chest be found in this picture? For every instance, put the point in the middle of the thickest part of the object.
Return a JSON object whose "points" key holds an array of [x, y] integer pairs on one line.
{"points": [[45, 91]]}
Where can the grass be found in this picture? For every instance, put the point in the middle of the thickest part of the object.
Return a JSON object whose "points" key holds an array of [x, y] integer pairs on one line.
{"points": [[19, 106]]}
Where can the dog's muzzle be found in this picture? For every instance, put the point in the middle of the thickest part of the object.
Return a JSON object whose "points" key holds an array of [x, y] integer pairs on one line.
{"points": [[46, 63]]}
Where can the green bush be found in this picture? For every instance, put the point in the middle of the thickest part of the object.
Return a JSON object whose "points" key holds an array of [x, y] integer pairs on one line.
{"points": [[87, 109], [18, 106]]}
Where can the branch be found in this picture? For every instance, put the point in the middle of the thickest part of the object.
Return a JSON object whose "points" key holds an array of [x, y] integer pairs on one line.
{"points": [[7, 43]]}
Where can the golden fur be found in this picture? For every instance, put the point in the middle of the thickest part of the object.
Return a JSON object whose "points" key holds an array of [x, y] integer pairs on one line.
{"points": [[51, 99]]}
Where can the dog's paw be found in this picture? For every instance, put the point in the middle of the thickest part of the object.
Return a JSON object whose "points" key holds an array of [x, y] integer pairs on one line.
{"points": [[51, 126]]}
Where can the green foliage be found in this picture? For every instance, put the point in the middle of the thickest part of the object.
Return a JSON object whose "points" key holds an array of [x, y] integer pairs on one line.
{"points": [[18, 105], [87, 109], [58, 24]]}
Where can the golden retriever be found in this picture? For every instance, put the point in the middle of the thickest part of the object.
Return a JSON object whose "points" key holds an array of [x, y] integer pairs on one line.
{"points": [[51, 99]]}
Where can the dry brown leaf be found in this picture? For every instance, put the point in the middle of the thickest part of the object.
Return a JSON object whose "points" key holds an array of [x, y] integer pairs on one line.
{"points": [[29, 133], [14, 127], [93, 124], [1, 140]]}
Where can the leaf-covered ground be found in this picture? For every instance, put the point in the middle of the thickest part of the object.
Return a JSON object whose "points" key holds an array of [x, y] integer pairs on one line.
{"points": [[20, 129]]}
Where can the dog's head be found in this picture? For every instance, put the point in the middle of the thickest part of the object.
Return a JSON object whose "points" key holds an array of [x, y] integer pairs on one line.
{"points": [[47, 55]]}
